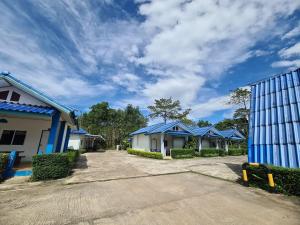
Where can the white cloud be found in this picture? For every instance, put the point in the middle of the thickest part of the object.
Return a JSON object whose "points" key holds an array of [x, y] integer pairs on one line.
{"points": [[292, 33], [212, 105], [292, 64], [291, 51], [128, 80]]}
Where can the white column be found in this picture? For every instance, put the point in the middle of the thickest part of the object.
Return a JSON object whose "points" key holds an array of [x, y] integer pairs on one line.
{"points": [[226, 145], [150, 143], [162, 147], [239, 145], [217, 144], [200, 144]]}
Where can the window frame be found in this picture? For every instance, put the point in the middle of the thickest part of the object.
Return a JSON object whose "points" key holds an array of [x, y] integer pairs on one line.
{"points": [[12, 141], [16, 94], [7, 94]]}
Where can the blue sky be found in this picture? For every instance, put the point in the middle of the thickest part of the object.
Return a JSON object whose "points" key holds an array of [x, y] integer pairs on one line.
{"points": [[132, 52]]}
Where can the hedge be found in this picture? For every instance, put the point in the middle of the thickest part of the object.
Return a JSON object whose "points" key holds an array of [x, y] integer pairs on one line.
{"points": [[212, 152], [181, 153], [236, 151], [286, 180], [154, 155], [3, 163], [50, 166], [72, 156]]}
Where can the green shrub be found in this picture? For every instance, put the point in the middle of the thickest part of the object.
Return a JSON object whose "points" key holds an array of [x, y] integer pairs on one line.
{"points": [[211, 152], [72, 156], [154, 155], [3, 163], [50, 166], [286, 180], [235, 151], [181, 153]]}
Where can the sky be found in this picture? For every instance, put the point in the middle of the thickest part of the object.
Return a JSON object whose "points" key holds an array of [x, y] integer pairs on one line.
{"points": [[135, 51]]}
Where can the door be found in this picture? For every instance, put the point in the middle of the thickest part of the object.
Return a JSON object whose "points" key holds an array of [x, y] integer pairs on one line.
{"points": [[154, 144], [43, 141]]}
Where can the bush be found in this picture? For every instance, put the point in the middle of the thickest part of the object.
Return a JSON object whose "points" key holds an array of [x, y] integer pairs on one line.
{"points": [[72, 157], [154, 155], [212, 152], [3, 163], [180, 153], [286, 180], [235, 151], [50, 166]]}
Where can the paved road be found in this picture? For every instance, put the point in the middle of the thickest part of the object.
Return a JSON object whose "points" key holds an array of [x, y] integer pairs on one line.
{"points": [[114, 188]]}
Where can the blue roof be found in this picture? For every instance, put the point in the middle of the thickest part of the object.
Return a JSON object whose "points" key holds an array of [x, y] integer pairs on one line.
{"points": [[209, 131], [232, 133], [15, 107], [147, 129], [80, 131], [161, 128]]}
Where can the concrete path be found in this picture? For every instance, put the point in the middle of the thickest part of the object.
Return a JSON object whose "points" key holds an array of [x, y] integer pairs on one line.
{"points": [[114, 188]]}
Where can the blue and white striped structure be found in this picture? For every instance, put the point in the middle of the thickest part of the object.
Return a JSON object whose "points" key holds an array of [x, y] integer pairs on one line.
{"points": [[274, 126]]}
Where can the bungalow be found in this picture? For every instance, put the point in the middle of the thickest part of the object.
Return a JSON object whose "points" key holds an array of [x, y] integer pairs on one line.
{"points": [[162, 137], [30, 121], [81, 139]]}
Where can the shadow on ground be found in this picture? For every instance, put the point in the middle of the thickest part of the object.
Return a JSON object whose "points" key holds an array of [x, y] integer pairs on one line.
{"points": [[82, 162], [236, 168]]}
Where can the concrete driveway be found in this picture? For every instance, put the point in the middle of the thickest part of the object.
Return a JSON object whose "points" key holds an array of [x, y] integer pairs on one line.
{"points": [[116, 188]]}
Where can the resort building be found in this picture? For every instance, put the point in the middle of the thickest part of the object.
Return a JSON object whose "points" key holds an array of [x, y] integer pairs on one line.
{"points": [[81, 139], [30, 121], [163, 137]]}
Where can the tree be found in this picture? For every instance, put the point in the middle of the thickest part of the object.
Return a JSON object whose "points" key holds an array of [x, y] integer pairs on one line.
{"points": [[226, 124], [168, 109], [204, 123], [114, 124], [241, 97]]}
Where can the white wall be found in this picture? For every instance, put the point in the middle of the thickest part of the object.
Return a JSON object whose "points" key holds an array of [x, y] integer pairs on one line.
{"points": [[141, 142], [24, 98], [75, 141], [33, 127]]}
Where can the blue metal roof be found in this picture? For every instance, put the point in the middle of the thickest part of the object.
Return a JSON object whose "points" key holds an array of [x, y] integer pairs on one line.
{"points": [[232, 133], [274, 125], [14, 107], [147, 129], [80, 131]]}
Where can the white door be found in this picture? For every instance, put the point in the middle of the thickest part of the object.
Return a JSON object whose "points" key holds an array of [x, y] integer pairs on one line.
{"points": [[178, 143]]}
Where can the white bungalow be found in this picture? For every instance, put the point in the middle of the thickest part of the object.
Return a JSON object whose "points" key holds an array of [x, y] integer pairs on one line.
{"points": [[81, 139], [163, 137], [30, 121]]}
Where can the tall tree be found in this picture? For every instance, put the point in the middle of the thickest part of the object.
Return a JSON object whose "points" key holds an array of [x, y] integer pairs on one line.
{"points": [[241, 97], [204, 123], [114, 124], [168, 109]]}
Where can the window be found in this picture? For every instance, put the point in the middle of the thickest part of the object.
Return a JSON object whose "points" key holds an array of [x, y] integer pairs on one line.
{"points": [[7, 136], [175, 128], [3, 95], [12, 137], [19, 137], [15, 97]]}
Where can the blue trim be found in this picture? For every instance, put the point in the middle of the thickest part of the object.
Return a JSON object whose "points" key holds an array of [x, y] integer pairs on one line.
{"points": [[60, 136], [67, 139], [52, 135]]}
